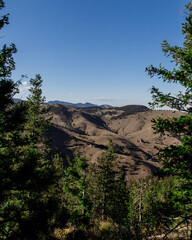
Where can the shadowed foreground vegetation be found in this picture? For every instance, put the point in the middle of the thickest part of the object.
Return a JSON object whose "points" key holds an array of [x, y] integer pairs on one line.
{"points": [[41, 198]]}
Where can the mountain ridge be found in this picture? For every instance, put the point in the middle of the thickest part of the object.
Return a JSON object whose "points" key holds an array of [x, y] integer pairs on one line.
{"points": [[129, 108], [80, 105], [88, 130]]}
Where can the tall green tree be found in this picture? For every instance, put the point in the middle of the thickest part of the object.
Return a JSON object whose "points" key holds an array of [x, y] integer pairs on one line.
{"points": [[40, 171], [8, 123], [7, 65], [152, 205], [177, 159], [75, 183], [109, 191], [36, 124], [104, 182], [28, 204]]}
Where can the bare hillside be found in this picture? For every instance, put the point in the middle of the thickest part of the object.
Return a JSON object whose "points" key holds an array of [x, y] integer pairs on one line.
{"points": [[89, 130]]}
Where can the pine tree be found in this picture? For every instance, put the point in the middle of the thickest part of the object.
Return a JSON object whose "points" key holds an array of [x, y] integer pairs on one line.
{"points": [[104, 181], [40, 173], [109, 190], [29, 208], [152, 205], [75, 184], [176, 159], [10, 120], [36, 124]]}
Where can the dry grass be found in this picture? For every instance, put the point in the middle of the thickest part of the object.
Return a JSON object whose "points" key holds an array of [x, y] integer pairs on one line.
{"points": [[132, 136]]}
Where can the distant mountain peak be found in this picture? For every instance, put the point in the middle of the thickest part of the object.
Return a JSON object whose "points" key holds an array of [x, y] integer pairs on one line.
{"points": [[80, 105]]}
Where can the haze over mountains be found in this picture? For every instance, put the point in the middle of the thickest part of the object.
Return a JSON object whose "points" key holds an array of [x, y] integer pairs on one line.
{"points": [[130, 108], [75, 105], [79, 105], [88, 129]]}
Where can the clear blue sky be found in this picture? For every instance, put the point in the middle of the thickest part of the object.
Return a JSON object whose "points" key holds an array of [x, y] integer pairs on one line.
{"points": [[93, 50]]}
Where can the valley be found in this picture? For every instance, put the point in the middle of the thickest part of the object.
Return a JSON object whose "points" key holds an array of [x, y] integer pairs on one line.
{"points": [[88, 131]]}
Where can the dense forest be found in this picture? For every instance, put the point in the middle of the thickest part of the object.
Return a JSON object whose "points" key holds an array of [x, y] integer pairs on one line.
{"points": [[42, 198]]}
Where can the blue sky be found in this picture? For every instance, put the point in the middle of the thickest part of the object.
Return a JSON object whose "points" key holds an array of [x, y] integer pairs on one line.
{"points": [[93, 50]]}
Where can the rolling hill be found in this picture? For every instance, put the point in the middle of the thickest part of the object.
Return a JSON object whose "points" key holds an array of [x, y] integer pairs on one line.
{"points": [[89, 129]]}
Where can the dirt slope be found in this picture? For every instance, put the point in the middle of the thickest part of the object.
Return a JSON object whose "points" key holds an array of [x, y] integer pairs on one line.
{"points": [[89, 130]]}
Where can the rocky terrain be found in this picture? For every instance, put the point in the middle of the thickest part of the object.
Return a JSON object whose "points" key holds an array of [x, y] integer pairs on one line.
{"points": [[89, 129]]}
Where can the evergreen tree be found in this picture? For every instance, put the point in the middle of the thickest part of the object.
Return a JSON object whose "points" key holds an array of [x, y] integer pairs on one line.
{"points": [[176, 159], [75, 184], [104, 181], [29, 207], [37, 124], [152, 205], [109, 190], [7, 65], [9, 121]]}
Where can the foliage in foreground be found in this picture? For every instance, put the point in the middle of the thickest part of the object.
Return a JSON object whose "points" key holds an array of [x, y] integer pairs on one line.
{"points": [[95, 192], [177, 160], [29, 208], [28, 203], [100, 204]]}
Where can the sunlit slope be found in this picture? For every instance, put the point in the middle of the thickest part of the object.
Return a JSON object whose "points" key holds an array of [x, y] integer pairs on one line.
{"points": [[88, 130]]}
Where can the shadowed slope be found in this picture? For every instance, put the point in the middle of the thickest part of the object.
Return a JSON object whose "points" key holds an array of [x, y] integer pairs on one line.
{"points": [[89, 130]]}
